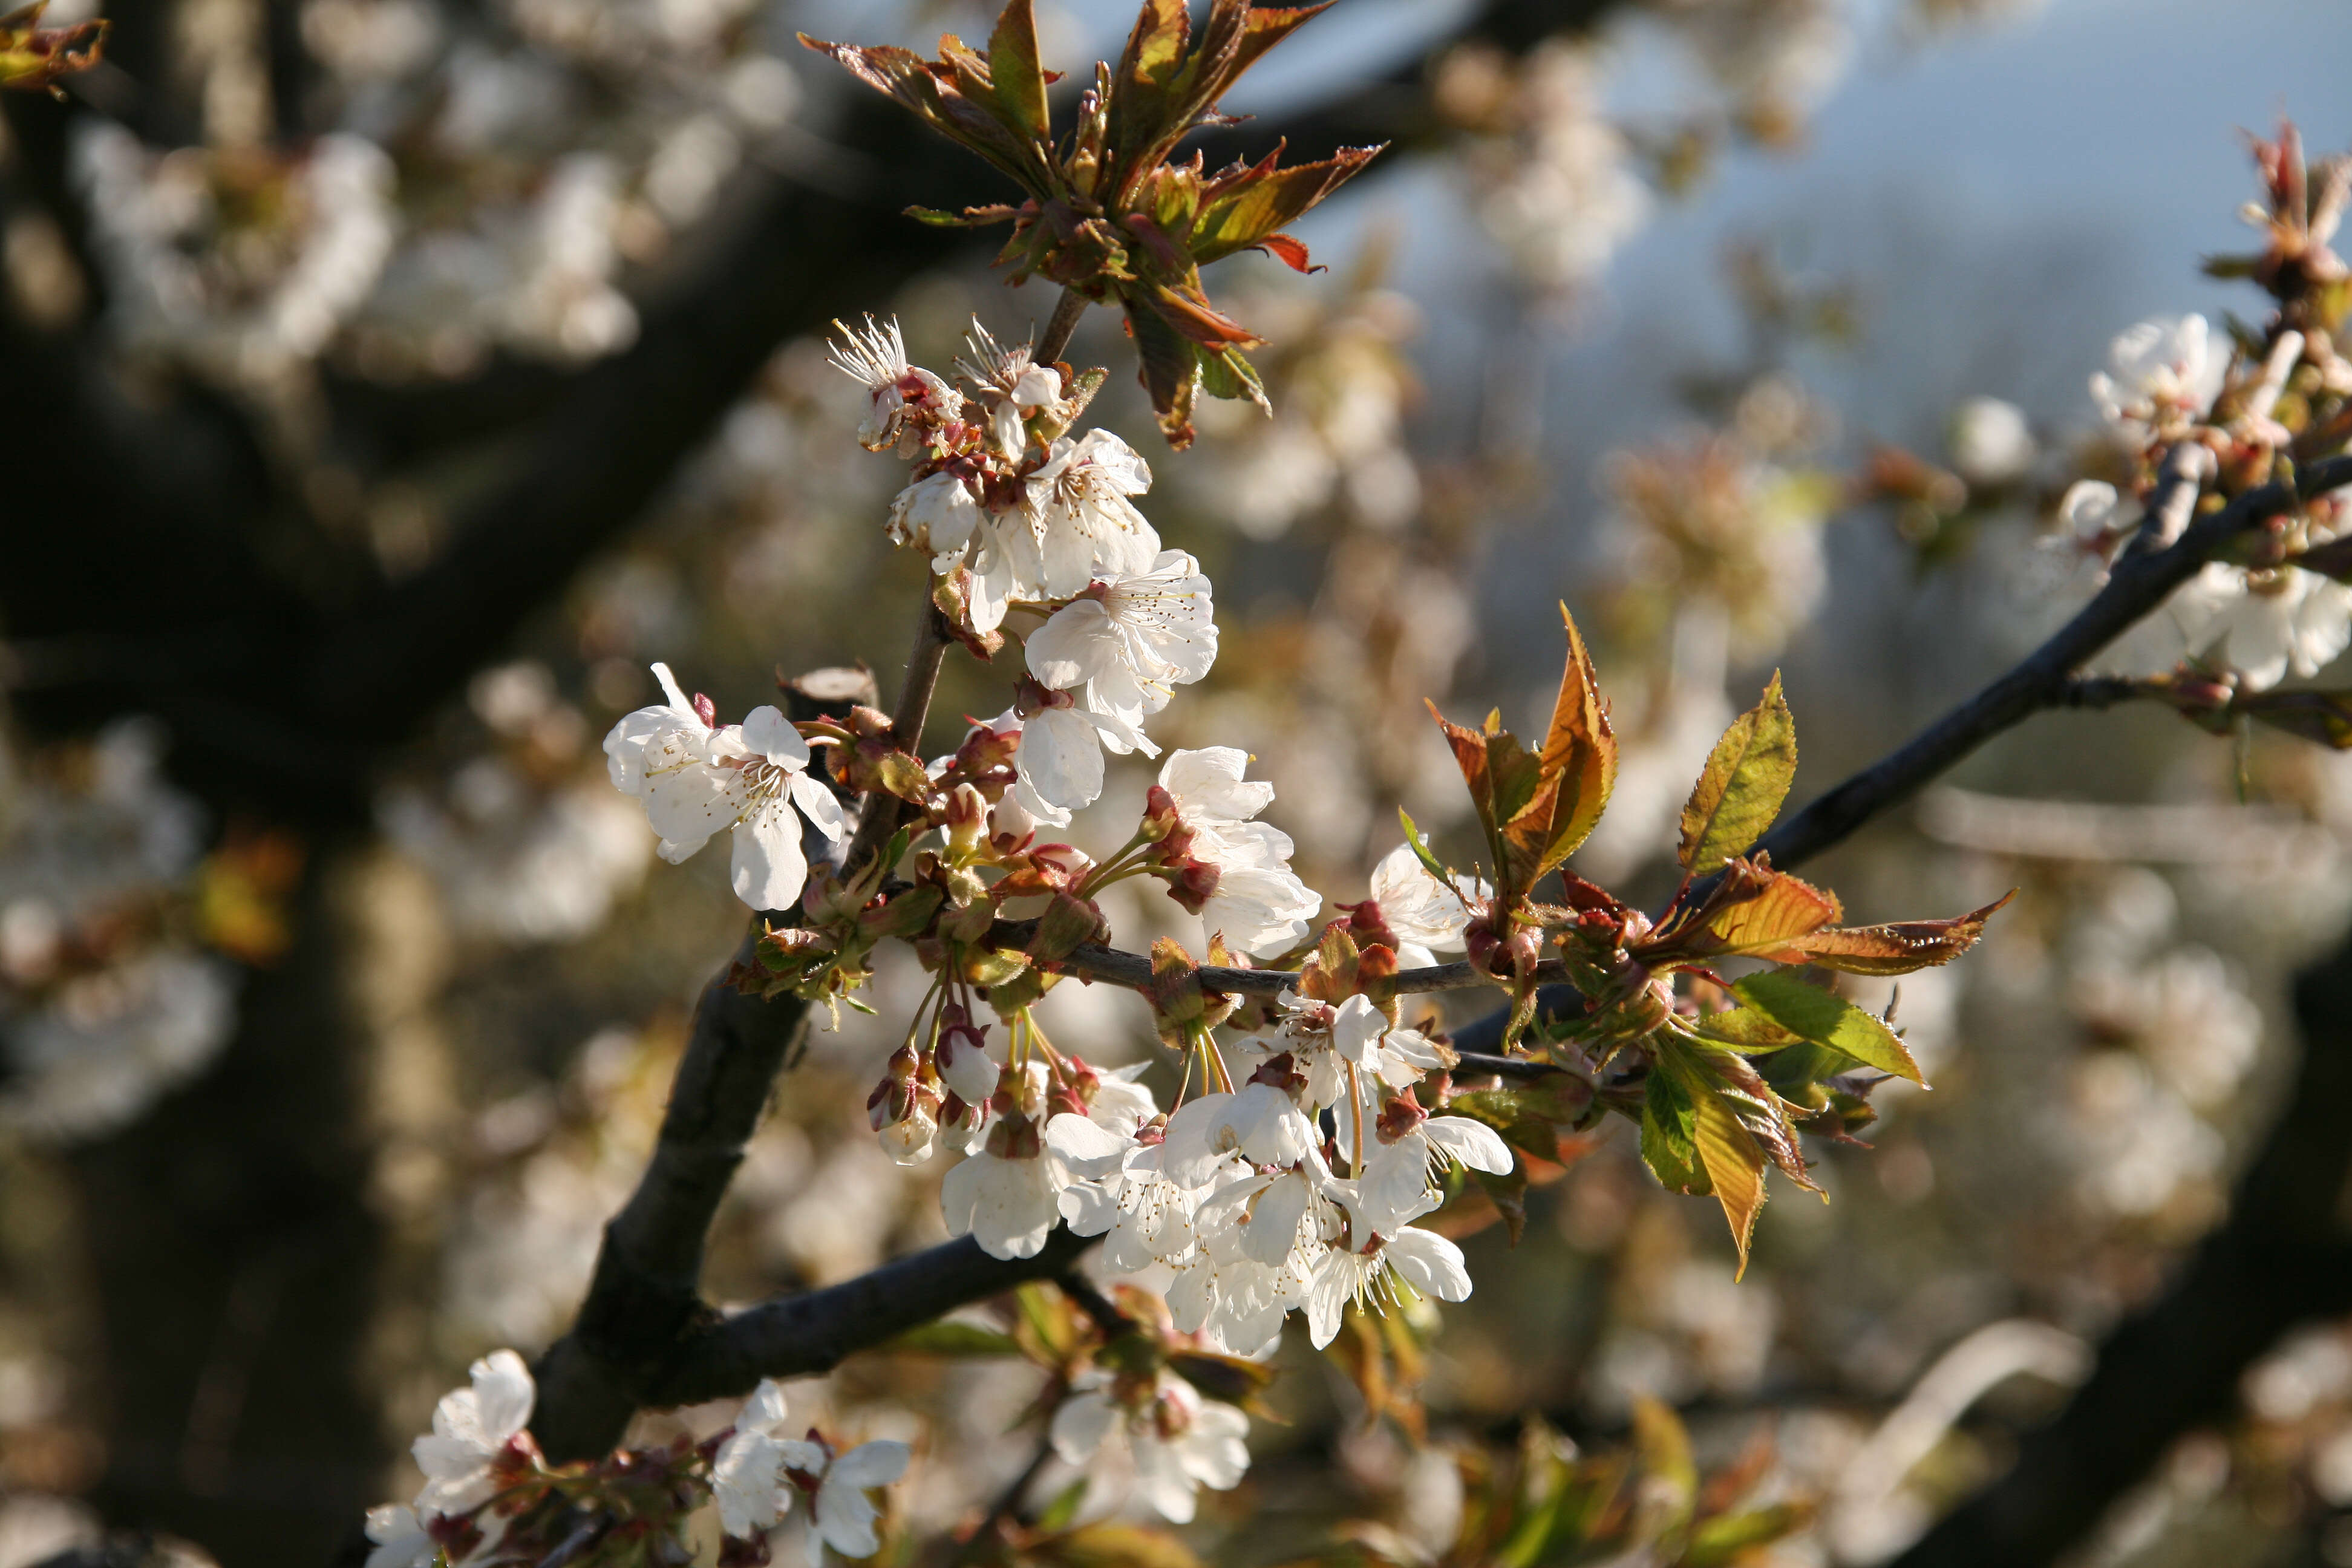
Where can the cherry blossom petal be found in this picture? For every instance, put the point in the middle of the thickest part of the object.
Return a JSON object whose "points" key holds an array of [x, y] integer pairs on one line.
{"points": [[767, 731], [768, 870]]}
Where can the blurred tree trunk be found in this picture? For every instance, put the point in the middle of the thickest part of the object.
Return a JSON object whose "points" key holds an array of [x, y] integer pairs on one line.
{"points": [[235, 1257]]}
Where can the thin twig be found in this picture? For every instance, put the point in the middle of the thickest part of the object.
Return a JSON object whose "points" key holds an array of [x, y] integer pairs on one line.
{"points": [[645, 1340], [1067, 309], [1133, 969], [880, 817], [2099, 691], [1101, 1309], [1008, 1502]]}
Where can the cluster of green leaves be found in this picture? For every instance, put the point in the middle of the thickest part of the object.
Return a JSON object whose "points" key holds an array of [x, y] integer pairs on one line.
{"points": [[1721, 1073], [35, 56], [1109, 213], [1550, 1506]]}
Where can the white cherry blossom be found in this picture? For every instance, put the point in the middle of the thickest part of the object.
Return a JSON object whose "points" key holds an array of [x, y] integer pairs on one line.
{"points": [[938, 515], [1424, 914], [1260, 1122], [1178, 1441], [1082, 524], [747, 1476], [1059, 765], [1421, 1259], [2264, 623], [875, 356], [1395, 1186], [1008, 1195], [1131, 640], [396, 1539], [2094, 517], [696, 779], [2162, 374], [1258, 903], [841, 1514], [472, 1431], [1013, 386]]}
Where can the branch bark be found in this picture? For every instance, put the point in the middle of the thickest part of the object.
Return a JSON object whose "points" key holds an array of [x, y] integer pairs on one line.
{"points": [[645, 1302]]}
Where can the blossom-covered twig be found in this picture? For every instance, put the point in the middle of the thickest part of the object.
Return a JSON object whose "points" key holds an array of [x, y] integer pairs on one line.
{"points": [[2138, 586], [1133, 969]]}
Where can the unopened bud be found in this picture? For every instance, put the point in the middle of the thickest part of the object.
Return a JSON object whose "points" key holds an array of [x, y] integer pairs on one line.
{"points": [[1009, 826], [967, 819], [1159, 818], [962, 1058], [894, 1095]]}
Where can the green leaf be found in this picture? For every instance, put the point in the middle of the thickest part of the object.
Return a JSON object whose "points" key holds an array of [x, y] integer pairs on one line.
{"points": [[1508, 1193], [1014, 67], [1138, 95], [1057, 1514], [1670, 1134], [1745, 1030], [1225, 374], [971, 217], [1794, 1072], [1170, 363], [1899, 948], [1728, 1538], [1734, 1163], [1663, 1445], [1741, 789], [1106, 1544], [1421, 849], [2324, 717], [1554, 1099], [1809, 1013], [950, 1336]]}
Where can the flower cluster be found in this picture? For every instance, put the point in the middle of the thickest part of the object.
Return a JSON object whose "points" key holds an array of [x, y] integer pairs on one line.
{"points": [[2185, 403], [490, 1497]]}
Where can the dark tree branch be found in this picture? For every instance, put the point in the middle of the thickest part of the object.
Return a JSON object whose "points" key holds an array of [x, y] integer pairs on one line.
{"points": [[644, 1300], [816, 1330], [2282, 1257]]}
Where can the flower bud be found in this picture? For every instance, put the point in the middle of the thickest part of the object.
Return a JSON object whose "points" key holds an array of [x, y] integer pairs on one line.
{"points": [[1159, 818], [1009, 826], [894, 1096], [961, 1054], [967, 820]]}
